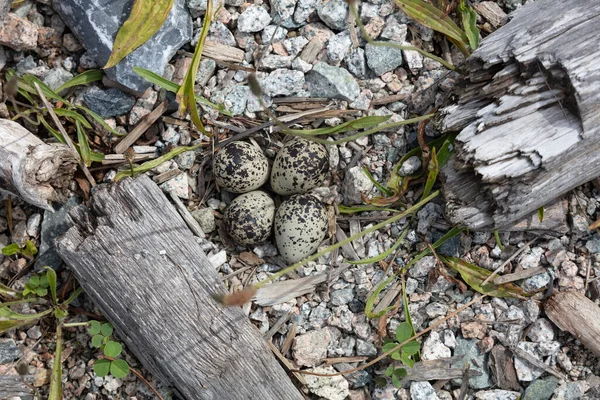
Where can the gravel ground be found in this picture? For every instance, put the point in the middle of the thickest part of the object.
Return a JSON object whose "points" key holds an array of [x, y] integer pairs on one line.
{"points": [[306, 58]]}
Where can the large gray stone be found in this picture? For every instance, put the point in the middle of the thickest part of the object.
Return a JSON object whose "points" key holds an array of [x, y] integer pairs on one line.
{"points": [[96, 23], [541, 389], [327, 81], [8, 351], [477, 361], [108, 102], [382, 59]]}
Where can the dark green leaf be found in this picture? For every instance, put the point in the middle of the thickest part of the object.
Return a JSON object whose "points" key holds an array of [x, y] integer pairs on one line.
{"points": [[407, 360], [106, 329], [469, 22], [380, 381], [119, 368], [381, 256], [403, 332], [44, 281], [540, 213], [41, 292], [60, 313], [400, 372], [11, 249], [94, 328], [51, 274], [102, 367], [390, 370], [93, 75], [396, 381], [34, 282], [373, 297], [100, 121], [97, 340], [49, 93], [12, 324], [112, 349], [84, 145], [73, 115]]}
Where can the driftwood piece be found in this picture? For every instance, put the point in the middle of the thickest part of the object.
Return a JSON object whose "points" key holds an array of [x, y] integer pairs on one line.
{"points": [[37, 172], [16, 386], [134, 256], [439, 369], [578, 315], [527, 115]]}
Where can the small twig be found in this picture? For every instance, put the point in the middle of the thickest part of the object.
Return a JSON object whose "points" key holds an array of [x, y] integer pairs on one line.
{"points": [[509, 259], [140, 377], [62, 130], [282, 320], [399, 346]]}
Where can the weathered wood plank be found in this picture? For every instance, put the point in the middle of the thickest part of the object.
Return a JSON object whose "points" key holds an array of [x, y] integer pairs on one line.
{"points": [[37, 172], [527, 113], [134, 256]]}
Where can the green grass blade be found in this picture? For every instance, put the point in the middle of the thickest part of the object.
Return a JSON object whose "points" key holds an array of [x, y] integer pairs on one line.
{"points": [[6, 291], [57, 135], [93, 75], [99, 120], [428, 15], [363, 208], [156, 162], [469, 22], [370, 304], [5, 312], [49, 93], [51, 275], [383, 190], [185, 95], [56, 392], [145, 19], [540, 213], [84, 145], [174, 88], [63, 112], [360, 123], [12, 324], [383, 255]]}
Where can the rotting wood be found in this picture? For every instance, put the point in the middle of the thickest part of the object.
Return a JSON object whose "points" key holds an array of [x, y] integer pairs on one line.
{"points": [[134, 256], [440, 368], [527, 116], [37, 172], [16, 386], [578, 315]]}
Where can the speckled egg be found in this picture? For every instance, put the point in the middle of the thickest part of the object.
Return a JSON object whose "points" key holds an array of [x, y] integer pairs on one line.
{"points": [[240, 167], [249, 217], [300, 227], [300, 166]]}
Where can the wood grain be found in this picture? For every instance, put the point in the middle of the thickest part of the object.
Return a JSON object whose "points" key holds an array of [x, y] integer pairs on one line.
{"points": [[134, 256]]}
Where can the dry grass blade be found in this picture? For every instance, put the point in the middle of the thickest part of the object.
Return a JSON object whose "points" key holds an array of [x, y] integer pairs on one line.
{"points": [[145, 19]]}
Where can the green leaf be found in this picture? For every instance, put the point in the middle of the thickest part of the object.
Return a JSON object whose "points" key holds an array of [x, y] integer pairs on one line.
{"points": [[106, 329], [112, 349], [29, 250], [56, 392], [34, 281], [355, 124], [390, 370], [102, 367], [373, 297], [145, 19], [383, 255], [382, 189], [396, 381], [41, 292], [403, 332], [93, 75], [99, 120], [119, 368], [362, 208], [173, 87], [26, 291], [73, 115], [474, 277], [60, 313], [388, 346], [428, 15], [51, 274], [57, 135], [84, 145], [469, 22], [407, 360], [11, 249], [94, 327], [49, 93], [72, 297], [540, 213], [395, 355], [12, 324], [380, 382], [97, 340], [5, 290], [185, 95], [411, 348], [44, 281], [400, 372]]}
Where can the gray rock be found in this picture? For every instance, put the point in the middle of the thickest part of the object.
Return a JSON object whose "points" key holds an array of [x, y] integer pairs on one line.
{"points": [[319, 316], [219, 32], [295, 45], [422, 391], [19, 235], [338, 46], [394, 31], [570, 391], [382, 59], [410, 166], [186, 160], [427, 216], [356, 64], [56, 77], [282, 10], [54, 225], [282, 82], [593, 245], [236, 99], [497, 394], [274, 61], [95, 23], [310, 349], [273, 34], [327, 81], [356, 183], [364, 348], [303, 9], [422, 267], [34, 332], [536, 282], [541, 331], [253, 19], [330, 388], [205, 218], [527, 372], [341, 318], [435, 309], [477, 361], [357, 379], [334, 14], [8, 351], [205, 71], [451, 247], [433, 348], [177, 185], [4, 9], [300, 65], [541, 389], [109, 102], [413, 59], [342, 296]]}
